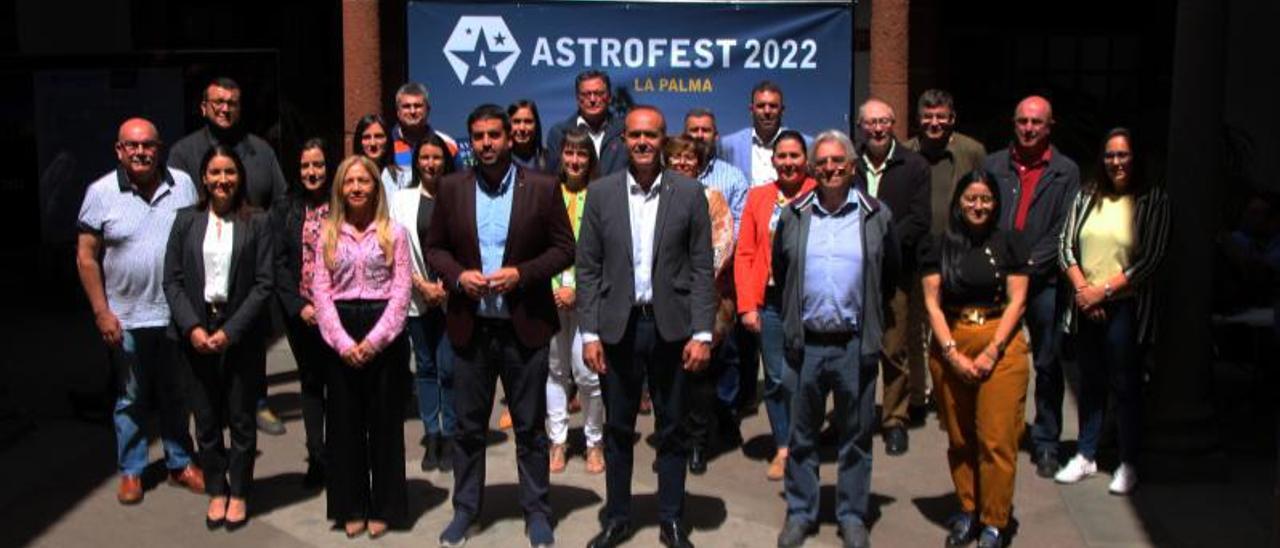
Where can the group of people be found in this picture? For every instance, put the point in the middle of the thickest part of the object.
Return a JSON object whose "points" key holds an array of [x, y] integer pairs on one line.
{"points": [[613, 266]]}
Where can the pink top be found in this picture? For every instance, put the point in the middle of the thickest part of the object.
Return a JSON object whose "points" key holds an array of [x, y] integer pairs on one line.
{"points": [[313, 221], [362, 274]]}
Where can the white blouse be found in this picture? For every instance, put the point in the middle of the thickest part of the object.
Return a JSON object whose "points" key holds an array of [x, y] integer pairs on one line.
{"points": [[218, 237]]}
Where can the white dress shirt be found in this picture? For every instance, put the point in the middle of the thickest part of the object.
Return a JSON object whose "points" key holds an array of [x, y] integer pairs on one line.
{"points": [[762, 170], [217, 258], [597, 137]]}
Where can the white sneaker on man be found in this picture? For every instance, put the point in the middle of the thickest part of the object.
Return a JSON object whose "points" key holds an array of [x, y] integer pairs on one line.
{"points": [[1077, 468], [1124, 480]]}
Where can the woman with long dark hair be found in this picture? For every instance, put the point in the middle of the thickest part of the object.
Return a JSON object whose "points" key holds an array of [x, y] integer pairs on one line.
{"points": [[759, 301], [372, 141], [361, 292], [526, 135], [1112, 244], [975, 289], [412, 208], [217, 279], [297, 224]]}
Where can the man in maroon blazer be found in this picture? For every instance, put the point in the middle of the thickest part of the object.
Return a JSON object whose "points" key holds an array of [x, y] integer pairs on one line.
{"points": [[498, 235]]}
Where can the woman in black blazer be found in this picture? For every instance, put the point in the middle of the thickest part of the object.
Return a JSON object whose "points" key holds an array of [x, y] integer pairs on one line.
{"points": [[217, 277], [296, 225]]}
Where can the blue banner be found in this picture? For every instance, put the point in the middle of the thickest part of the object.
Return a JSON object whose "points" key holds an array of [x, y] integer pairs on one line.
{"points": [[673, 55]]}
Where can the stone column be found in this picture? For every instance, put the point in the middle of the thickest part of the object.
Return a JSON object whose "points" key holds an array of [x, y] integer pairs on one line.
{"points": [[889, 48], [361, 63], [1179, 409]]}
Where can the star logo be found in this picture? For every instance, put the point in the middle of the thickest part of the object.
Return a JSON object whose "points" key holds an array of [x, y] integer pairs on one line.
{"points": [[481, 50]]}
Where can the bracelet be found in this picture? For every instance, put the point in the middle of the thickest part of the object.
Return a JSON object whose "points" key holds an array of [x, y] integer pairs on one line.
{"points": [[1106, 290], [948, 346]]}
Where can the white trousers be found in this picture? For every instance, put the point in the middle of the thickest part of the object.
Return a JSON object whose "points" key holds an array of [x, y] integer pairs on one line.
{"points": [[566, 368]]}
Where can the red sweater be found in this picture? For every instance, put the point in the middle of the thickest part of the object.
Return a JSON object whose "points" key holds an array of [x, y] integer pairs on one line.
{"points": [[753, 257]]}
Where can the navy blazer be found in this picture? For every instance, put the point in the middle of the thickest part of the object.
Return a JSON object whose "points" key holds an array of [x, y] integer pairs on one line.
{"points": [[250, 283]]}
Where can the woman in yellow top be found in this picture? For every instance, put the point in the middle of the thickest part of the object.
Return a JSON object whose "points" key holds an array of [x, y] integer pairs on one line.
{"points": [[1111, 245], [566, 368]]}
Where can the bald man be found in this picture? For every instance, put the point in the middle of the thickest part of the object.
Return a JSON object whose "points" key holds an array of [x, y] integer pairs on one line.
{"points": [[124, 226], [1037, 185], [899, 177]]}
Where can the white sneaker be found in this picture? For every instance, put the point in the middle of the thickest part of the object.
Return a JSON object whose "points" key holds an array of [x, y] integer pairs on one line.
{"points": [[1124, 480], [1077, 468]]}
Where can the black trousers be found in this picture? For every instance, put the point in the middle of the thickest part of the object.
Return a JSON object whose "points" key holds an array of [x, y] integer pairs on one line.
{"points": [[310, 353], [225, 396], [707, 414], [365, 425], [495, 353], [641, 355]]}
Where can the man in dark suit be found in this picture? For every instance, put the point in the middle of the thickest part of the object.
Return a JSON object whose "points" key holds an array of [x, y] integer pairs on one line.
{"points": [[498, 235], [593, 95], [646, 305]]}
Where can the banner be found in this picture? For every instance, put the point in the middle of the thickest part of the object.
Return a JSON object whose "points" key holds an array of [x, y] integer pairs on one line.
{"points": [[675, 56]]}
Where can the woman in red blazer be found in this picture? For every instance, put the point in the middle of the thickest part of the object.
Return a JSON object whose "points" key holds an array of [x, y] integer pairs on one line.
{"points": [[758, 298]]}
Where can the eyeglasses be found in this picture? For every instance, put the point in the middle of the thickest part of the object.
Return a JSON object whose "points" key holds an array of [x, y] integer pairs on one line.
{"points": [[593, 94], [228, 103], [877, 122], [130, 146]]}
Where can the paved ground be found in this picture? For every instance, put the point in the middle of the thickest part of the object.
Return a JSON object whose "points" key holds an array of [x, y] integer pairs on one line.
{"points": [[58, 490]]}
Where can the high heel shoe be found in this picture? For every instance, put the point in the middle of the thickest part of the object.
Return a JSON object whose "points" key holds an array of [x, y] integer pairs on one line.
{"points": [[215, 523], [377, 529], [354, 528], [236, 525]]}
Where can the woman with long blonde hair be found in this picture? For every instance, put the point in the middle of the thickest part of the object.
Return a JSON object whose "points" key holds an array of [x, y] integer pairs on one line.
{"points": [[361, 296]]}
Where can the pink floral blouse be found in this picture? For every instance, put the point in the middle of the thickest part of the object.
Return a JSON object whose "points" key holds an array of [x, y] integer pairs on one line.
{"points": [[362, 274], [312, 221]]}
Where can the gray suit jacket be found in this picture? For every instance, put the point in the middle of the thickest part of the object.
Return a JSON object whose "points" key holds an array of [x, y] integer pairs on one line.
{"points": [[684, 299]]}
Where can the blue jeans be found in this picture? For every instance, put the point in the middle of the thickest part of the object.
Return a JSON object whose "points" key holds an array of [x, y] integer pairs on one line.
{"points": [[1043, 322], [433, 375], [149, 380], [779, 379], [841, 370], [1110, 362]]}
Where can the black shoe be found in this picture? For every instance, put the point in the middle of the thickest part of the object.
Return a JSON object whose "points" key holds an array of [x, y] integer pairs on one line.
{"points": [[964, 529], [672, 535], [992, 538], [1046, 463], [794, 534], [614, 534], [212, 524], [854, 534], [446, 455], [315, 475], [233, 526], [697, 461], [431, 455], [895, 441]]}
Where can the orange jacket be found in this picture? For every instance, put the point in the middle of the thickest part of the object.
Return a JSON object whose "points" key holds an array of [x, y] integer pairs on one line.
{"points": [[753, 257]]}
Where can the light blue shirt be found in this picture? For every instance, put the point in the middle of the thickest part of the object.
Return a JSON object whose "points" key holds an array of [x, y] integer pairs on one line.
{"points": [[493, 217], [135, 233], [833, 268], [730, 181]]}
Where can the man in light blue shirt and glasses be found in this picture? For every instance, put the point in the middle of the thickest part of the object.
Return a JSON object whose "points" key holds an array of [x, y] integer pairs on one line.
{"points": [[834, 256]]}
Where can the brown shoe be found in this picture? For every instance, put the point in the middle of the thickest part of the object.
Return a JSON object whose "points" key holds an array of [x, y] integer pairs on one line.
{"points": [[595, 460], [190, 477], [130, 491], [557, 458], [504, 422], [778, 467]]}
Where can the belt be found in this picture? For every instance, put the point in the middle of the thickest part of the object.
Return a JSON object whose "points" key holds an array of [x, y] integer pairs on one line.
{"points": [[839, 338], [643, 310], [215, 312], [976, 315]]}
